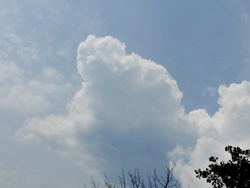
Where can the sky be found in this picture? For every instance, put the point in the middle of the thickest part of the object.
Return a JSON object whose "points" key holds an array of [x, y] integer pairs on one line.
{"points": [[94, 87]]}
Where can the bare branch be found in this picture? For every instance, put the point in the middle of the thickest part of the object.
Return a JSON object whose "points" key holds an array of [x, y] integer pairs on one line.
{"points": [[136, 181], [94, 183], [122, 180], [107, 183], [150, 184], [166, 181]]}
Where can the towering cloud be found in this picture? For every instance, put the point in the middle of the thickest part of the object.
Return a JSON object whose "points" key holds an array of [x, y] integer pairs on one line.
{"points": [[128, 114]]}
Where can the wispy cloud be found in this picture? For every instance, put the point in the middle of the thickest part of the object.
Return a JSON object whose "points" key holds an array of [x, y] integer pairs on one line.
{"points": [[31, 96], [210, 91]]}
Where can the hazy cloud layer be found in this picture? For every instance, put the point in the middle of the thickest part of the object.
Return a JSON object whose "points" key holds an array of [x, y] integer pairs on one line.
{"points": [[31, 96]]}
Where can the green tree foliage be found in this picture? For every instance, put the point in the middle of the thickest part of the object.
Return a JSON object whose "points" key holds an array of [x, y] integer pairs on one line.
{"points": [[232, 174]]}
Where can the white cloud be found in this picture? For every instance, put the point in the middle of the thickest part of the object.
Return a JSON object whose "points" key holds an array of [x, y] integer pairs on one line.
{"points": [[228, 126], [10, 72], [31, 96], [127, 112], [211, 91], [18, 46]]}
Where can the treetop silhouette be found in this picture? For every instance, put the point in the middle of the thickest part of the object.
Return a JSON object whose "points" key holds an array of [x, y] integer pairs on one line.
{"points": [[232, 174]]}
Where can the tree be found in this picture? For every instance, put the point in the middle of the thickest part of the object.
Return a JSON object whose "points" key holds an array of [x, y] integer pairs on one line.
{"points": [[136, 180], [232, 174]]}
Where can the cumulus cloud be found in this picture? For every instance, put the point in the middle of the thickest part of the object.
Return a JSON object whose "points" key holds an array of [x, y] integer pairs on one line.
{"points": [[228, 126], [127, 112]]}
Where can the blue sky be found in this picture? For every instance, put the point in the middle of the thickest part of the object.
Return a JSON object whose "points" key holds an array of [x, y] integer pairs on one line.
{"points": [[89, 87]]}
